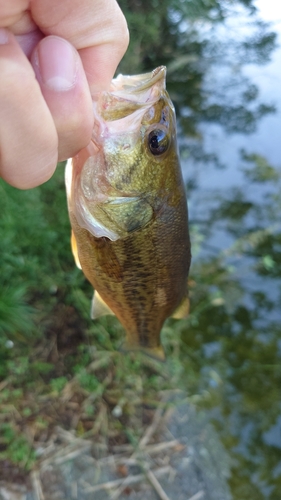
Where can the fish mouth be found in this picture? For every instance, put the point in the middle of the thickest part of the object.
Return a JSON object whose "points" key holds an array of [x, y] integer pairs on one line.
{"points": [[128, 94], [138, 83]]}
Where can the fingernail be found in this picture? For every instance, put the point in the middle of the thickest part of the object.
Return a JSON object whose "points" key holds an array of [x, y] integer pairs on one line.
{"points": [[4, 36], [57, 62]]}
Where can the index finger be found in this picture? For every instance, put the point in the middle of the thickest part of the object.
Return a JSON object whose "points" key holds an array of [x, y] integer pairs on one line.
{"points": [[96, 28]]}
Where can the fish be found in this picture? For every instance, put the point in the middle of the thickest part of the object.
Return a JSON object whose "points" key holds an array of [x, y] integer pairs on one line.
{"points": [[128, 210]]}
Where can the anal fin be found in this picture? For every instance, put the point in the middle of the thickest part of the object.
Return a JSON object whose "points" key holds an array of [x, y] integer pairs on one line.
{"points": [[99, 307], [182, 311]]}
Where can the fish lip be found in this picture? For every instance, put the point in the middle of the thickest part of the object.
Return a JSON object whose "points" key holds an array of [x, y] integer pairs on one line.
{"points": [[135, 92], [123, 107], [138, 83], [118, 116]]}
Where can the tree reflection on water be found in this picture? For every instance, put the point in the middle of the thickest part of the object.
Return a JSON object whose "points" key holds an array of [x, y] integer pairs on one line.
{"points": [[231, 347], [232, 341]]}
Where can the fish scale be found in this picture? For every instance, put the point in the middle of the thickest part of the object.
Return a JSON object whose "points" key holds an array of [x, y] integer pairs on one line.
{"points": [[128, 211]]}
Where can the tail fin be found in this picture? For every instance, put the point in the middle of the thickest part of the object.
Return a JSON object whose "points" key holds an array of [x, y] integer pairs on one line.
{"points": [[154, 352]]}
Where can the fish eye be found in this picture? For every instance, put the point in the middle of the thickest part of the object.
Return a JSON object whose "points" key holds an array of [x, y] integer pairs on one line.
{"points": [[158, 141]]}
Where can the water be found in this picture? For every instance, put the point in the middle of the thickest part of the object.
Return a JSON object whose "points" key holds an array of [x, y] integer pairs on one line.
{"points": [[234, 345]]}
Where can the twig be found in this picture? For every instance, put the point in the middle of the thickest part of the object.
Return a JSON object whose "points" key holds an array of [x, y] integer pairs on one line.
{"points": [[156, 448], [150, 449], [68, 436], [156, 366], [152, 428], [133, 479], [66, 453], [37, 487], [156, 485], [143, 449], [4, 383], [71, 455], [98, 363], [116, 494], [197, 496]]}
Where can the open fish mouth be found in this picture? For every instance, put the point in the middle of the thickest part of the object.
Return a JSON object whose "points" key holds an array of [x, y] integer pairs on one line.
{"points": [[138, 110], [138, 83], [129, 94]]}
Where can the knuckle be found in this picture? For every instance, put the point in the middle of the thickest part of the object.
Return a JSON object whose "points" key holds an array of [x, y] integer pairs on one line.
{"points": [[115, 28], [123, 34]]}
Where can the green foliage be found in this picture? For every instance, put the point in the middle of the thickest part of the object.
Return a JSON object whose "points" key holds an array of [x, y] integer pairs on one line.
{"points": [[260, 170], [59, 368], [88, 382], [36, 257], [170, 33], [16, 315], [57, 384], [17, 448]]}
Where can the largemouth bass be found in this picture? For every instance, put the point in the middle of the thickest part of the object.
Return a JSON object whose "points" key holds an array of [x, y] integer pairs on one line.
{"points": [[128, 210]]}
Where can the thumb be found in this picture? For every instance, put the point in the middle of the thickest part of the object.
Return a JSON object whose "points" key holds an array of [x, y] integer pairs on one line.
{"points": [[64, 86]]}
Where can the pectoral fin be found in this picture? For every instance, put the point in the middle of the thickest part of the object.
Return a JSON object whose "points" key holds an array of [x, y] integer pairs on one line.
{"points": [[99, 307], [129, 214], [108, 259], [182, 310], [74, 250]]}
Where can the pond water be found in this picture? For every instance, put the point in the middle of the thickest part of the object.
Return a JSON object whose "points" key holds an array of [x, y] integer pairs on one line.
{"points": [[232, 168]]}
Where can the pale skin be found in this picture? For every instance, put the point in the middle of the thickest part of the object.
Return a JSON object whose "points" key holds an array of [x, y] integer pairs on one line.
{"points": [[53, 55]]}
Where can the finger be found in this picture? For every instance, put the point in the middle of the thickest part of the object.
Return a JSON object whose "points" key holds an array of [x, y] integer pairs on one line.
{"points": [[17, 18], [28, 41], [28, 137], [12, 12], [60, 73], [96, 28]]}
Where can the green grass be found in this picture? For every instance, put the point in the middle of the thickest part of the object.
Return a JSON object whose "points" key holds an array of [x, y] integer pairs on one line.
{"points": [[57, 367]]}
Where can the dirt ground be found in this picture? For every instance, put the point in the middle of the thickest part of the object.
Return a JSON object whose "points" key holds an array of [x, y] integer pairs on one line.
{"points": [[179, 457]]}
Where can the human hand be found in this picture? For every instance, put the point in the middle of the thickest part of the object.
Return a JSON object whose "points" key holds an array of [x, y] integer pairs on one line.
{"points": [[53, 54]]}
